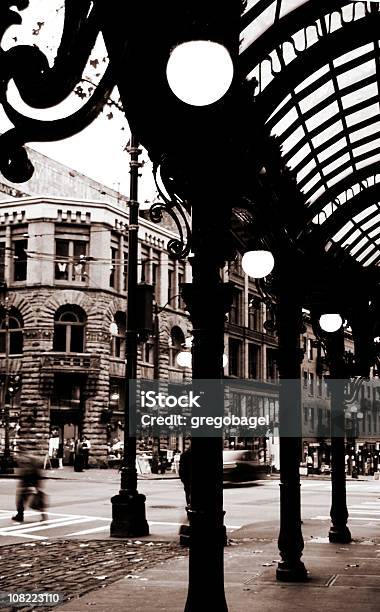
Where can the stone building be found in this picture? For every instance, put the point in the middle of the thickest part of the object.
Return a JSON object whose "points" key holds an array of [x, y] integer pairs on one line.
{"points": [[64, 251]]}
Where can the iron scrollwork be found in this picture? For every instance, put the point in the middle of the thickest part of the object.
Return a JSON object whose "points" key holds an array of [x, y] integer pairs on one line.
{"points": [[43, 87], [178, 210]]}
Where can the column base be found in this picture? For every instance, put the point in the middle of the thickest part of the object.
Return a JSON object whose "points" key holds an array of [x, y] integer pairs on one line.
{"points": [[287, 572], [128, 516], [6, 465], [340, 536]]}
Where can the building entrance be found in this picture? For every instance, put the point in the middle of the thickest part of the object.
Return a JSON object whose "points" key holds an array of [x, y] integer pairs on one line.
{"points": [[65, 430]]}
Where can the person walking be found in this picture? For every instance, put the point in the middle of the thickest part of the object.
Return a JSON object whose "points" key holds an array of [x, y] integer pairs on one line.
{"points": [[29, 487], [185, 469]]}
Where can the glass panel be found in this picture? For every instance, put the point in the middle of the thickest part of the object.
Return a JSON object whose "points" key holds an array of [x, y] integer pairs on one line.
{"points": [[312, 78], [336, 164], [351, 238], [113, 264], [365, 253], [374, 232], [366, 131], [298, 157], [77, 337], [355, 75], [367, 147], [365, 213], [20, 259], [2, 341], [309, 186], [362, 114], [332, 149], [327, 133], [69, 316], [326, 113], [62, 256], [367, 162], [343, 59], [14, 323], [258, 26], [317, 96], [371, 259], [2, 260], [15, 342], [343, 231], [59, 341], [360, 244], [79, 267]]}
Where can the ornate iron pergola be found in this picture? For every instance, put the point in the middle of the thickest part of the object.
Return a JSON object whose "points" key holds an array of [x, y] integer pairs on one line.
{"points": [[286, 160]]}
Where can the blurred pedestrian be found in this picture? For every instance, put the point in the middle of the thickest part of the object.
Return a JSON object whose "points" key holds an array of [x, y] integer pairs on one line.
{"points": [[78, 456], [185, 469], [71, 451], [86, 445], [29, 487]]}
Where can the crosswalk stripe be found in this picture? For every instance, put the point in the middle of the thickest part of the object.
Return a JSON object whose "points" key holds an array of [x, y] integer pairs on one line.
{"points": [[29, 526], [87, 531], [43, 526], [22, 535], [352, 518]]}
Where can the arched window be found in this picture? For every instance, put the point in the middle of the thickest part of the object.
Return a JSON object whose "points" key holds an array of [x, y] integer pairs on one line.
{"points": [[117, 329], [11, 332], [69, 328], [176, 344]]}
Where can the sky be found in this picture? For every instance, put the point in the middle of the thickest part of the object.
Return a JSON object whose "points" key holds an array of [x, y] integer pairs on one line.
{"points": [[98, 151]]}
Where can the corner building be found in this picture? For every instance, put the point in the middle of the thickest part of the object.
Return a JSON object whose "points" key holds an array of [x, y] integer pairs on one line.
{"points": [[63, 267]]}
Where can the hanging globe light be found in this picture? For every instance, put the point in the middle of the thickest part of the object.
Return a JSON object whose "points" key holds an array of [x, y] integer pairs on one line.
{"points": [[331, 322], [257, 264], [199, 72], [184, 359]]}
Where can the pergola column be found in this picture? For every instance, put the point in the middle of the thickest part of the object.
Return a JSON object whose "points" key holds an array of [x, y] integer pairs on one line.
{"points": [[290, 541], [208, 299]]}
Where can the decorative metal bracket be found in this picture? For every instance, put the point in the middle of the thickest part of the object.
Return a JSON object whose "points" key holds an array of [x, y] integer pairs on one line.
{"points": [[42, 87], [178, 210]]}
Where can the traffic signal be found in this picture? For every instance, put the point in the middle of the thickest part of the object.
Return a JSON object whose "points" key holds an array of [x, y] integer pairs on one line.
{"points": [[14, 384]]}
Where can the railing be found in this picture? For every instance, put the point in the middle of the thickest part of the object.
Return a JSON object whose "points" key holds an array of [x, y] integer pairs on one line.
{"points": [[73, 362]]}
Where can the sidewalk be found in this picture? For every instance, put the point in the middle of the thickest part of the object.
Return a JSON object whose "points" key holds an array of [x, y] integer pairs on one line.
{"points": [[341, 576], [93, 475]]}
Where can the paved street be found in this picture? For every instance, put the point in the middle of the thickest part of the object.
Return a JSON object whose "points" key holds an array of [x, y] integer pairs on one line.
{"points": [[81, 509], [72, 552]]}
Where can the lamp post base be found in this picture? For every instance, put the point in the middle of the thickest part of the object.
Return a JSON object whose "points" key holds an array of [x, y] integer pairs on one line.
{"points": [[6, 465], [289, 572], [128, 516], [340, 536]]}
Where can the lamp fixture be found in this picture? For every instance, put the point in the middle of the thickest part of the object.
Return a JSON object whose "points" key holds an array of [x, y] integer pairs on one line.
{"points": [[257, 264], [184, 359], [199, 72], [331, 322]]}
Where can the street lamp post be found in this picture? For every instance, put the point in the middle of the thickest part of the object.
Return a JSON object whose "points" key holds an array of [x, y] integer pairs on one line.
{"points": [[339, 531], [128, 507], [6, 466]]}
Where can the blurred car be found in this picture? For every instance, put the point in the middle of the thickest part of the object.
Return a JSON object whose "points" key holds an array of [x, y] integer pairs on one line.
{"points": [[325, 469], [242, 466]]}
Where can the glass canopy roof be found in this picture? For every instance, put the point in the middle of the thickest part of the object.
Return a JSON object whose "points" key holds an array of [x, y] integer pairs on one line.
{"points": [[317, 66]]}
